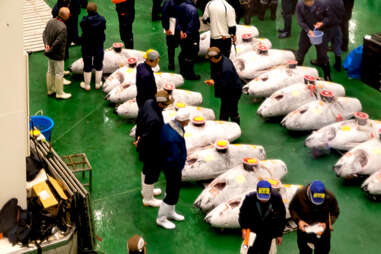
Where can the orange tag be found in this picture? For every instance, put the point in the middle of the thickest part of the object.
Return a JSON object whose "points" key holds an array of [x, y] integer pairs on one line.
{"points": [[1, 235]]}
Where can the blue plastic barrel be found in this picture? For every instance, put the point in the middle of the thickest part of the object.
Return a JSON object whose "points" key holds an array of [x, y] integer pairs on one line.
{"points": [[317, 39], [44, 124]]}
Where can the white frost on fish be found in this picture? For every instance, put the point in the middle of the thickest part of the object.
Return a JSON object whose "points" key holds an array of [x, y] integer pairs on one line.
{"points": [[277, 78], [237, 181], [292, 97], [208, 163], [251, 64], [317, 114], [372, 185]]}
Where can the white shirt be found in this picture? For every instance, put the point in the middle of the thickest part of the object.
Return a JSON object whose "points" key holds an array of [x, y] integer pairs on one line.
{"points": [[222, 16]]}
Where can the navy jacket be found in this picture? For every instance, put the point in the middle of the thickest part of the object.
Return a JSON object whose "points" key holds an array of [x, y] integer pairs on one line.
{"points": [[148, 128], [188, 18], [169, 10], [93, 30], [268, 219], [308, 16], [226, 79], [172, 146], [336, 11], [127, 9], [145, 84]]}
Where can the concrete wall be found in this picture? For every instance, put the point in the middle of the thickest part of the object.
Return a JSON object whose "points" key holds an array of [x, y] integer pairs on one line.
{"points": [[13, 103]]}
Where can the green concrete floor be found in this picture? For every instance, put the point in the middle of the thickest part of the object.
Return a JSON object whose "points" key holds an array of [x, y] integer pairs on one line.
{"points": [[86, 123]]}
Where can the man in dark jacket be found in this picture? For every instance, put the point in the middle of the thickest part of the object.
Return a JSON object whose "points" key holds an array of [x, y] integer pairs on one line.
{"points": [[288, 9], [267, 4], [174, 154], [156, 10], [312, 205], [189, 38], [145, 80], [93, 36], [55, 38], [263, 213], [227, 84], [126, 17], [348, 6], [148, 129], [313, 14], [172, 37]]}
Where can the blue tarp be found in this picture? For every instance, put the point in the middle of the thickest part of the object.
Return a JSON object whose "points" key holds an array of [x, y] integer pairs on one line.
{"points": [[352, 64]]}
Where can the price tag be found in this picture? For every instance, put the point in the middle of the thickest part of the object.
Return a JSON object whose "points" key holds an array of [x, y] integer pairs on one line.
{"points": [[345, 128], [240, 179], [296, 93]]}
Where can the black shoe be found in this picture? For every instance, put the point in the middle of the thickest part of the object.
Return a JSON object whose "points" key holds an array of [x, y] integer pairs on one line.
{"points": [[193, 77], [284, 35], [315, 62], [171, 66], [327, 72], [337, 65], [330, 48], [281, 31]]}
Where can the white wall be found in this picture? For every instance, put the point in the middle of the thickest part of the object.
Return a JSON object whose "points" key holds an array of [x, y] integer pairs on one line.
{"points": [[13, 103]]}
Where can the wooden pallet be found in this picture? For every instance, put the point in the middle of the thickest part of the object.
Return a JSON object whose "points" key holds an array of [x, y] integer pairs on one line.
{"points": [[78, 163], [36, 14]]}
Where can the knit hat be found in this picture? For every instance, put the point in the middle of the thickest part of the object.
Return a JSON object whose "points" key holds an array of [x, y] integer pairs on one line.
{"points": [[317, 192], [136, 244], [151, 55], [263, 190], [182, 115]]}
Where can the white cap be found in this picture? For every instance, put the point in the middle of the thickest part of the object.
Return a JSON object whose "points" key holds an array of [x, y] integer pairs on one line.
{"points": [[182, 115]]}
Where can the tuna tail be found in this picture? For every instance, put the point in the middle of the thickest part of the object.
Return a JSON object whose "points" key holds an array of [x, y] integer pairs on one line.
{"points": [[208, 218], [197, 204], [245, 89]]}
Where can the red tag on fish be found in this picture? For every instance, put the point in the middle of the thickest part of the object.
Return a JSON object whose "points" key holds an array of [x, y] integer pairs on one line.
{"points": [[339, 118]]}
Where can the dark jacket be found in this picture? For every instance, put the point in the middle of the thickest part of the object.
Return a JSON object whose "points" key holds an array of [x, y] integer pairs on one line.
{"points": [[148, 128], [188, 19], [268, 219], [145, 84], [301, 208], [93, 30], [74, 7], [172, 146], [127, 9], [55, 35], [348, 6], [169, 10], [226, 79], [308, 16], [336, 11]]}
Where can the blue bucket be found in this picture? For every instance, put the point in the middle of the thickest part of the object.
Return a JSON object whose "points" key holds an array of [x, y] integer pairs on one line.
{"points": [[318, 38], [44, 124]]}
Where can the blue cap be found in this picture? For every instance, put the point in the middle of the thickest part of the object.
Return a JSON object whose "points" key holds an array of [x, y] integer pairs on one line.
{"points": [[317, 192], [263, 190]]}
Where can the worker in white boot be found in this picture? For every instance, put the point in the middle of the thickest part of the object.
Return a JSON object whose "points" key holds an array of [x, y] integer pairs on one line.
{"points": [[93, 36], [55, 38], [174, 152], [149, 123]]}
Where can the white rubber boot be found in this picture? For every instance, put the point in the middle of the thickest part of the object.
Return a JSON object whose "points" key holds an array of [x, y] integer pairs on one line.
{"points": [[98, 79], [60, 94], [148, 199], [50, 83], [173, 215], [87, 79], [156, 191], [66, 82], [162, 217]]}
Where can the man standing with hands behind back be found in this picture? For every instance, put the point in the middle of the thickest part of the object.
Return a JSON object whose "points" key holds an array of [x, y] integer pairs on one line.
{"points": [[313, 205]]}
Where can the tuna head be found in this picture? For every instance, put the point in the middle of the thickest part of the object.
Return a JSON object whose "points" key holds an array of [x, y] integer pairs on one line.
{"points": [[205, 201], [320, 139], [372, 184], [351, 164], [226, 214]]}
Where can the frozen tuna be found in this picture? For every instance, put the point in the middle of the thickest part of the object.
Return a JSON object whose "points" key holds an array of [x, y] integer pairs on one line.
{"points": [[210, 162], [292, 97], [226, 214], [239, 180], [372, 185], [317, 114], [277, 78], [251, 64], [127, 90], [344, 135], [364, 159], [129, 109], [112, 60], [245, 47]]}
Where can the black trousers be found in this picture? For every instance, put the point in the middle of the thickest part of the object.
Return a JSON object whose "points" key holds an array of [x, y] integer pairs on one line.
{"points": [[322, 245], [172, 191], [189, 52], [151, 171], [125, 29], [72, 33], [173, 42], [224, 45], [229, 108], [345, 27], [262, 245], [304, 46], [92, 58], [248, 11], [156, 8], [270, 4], [288, 9]]}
